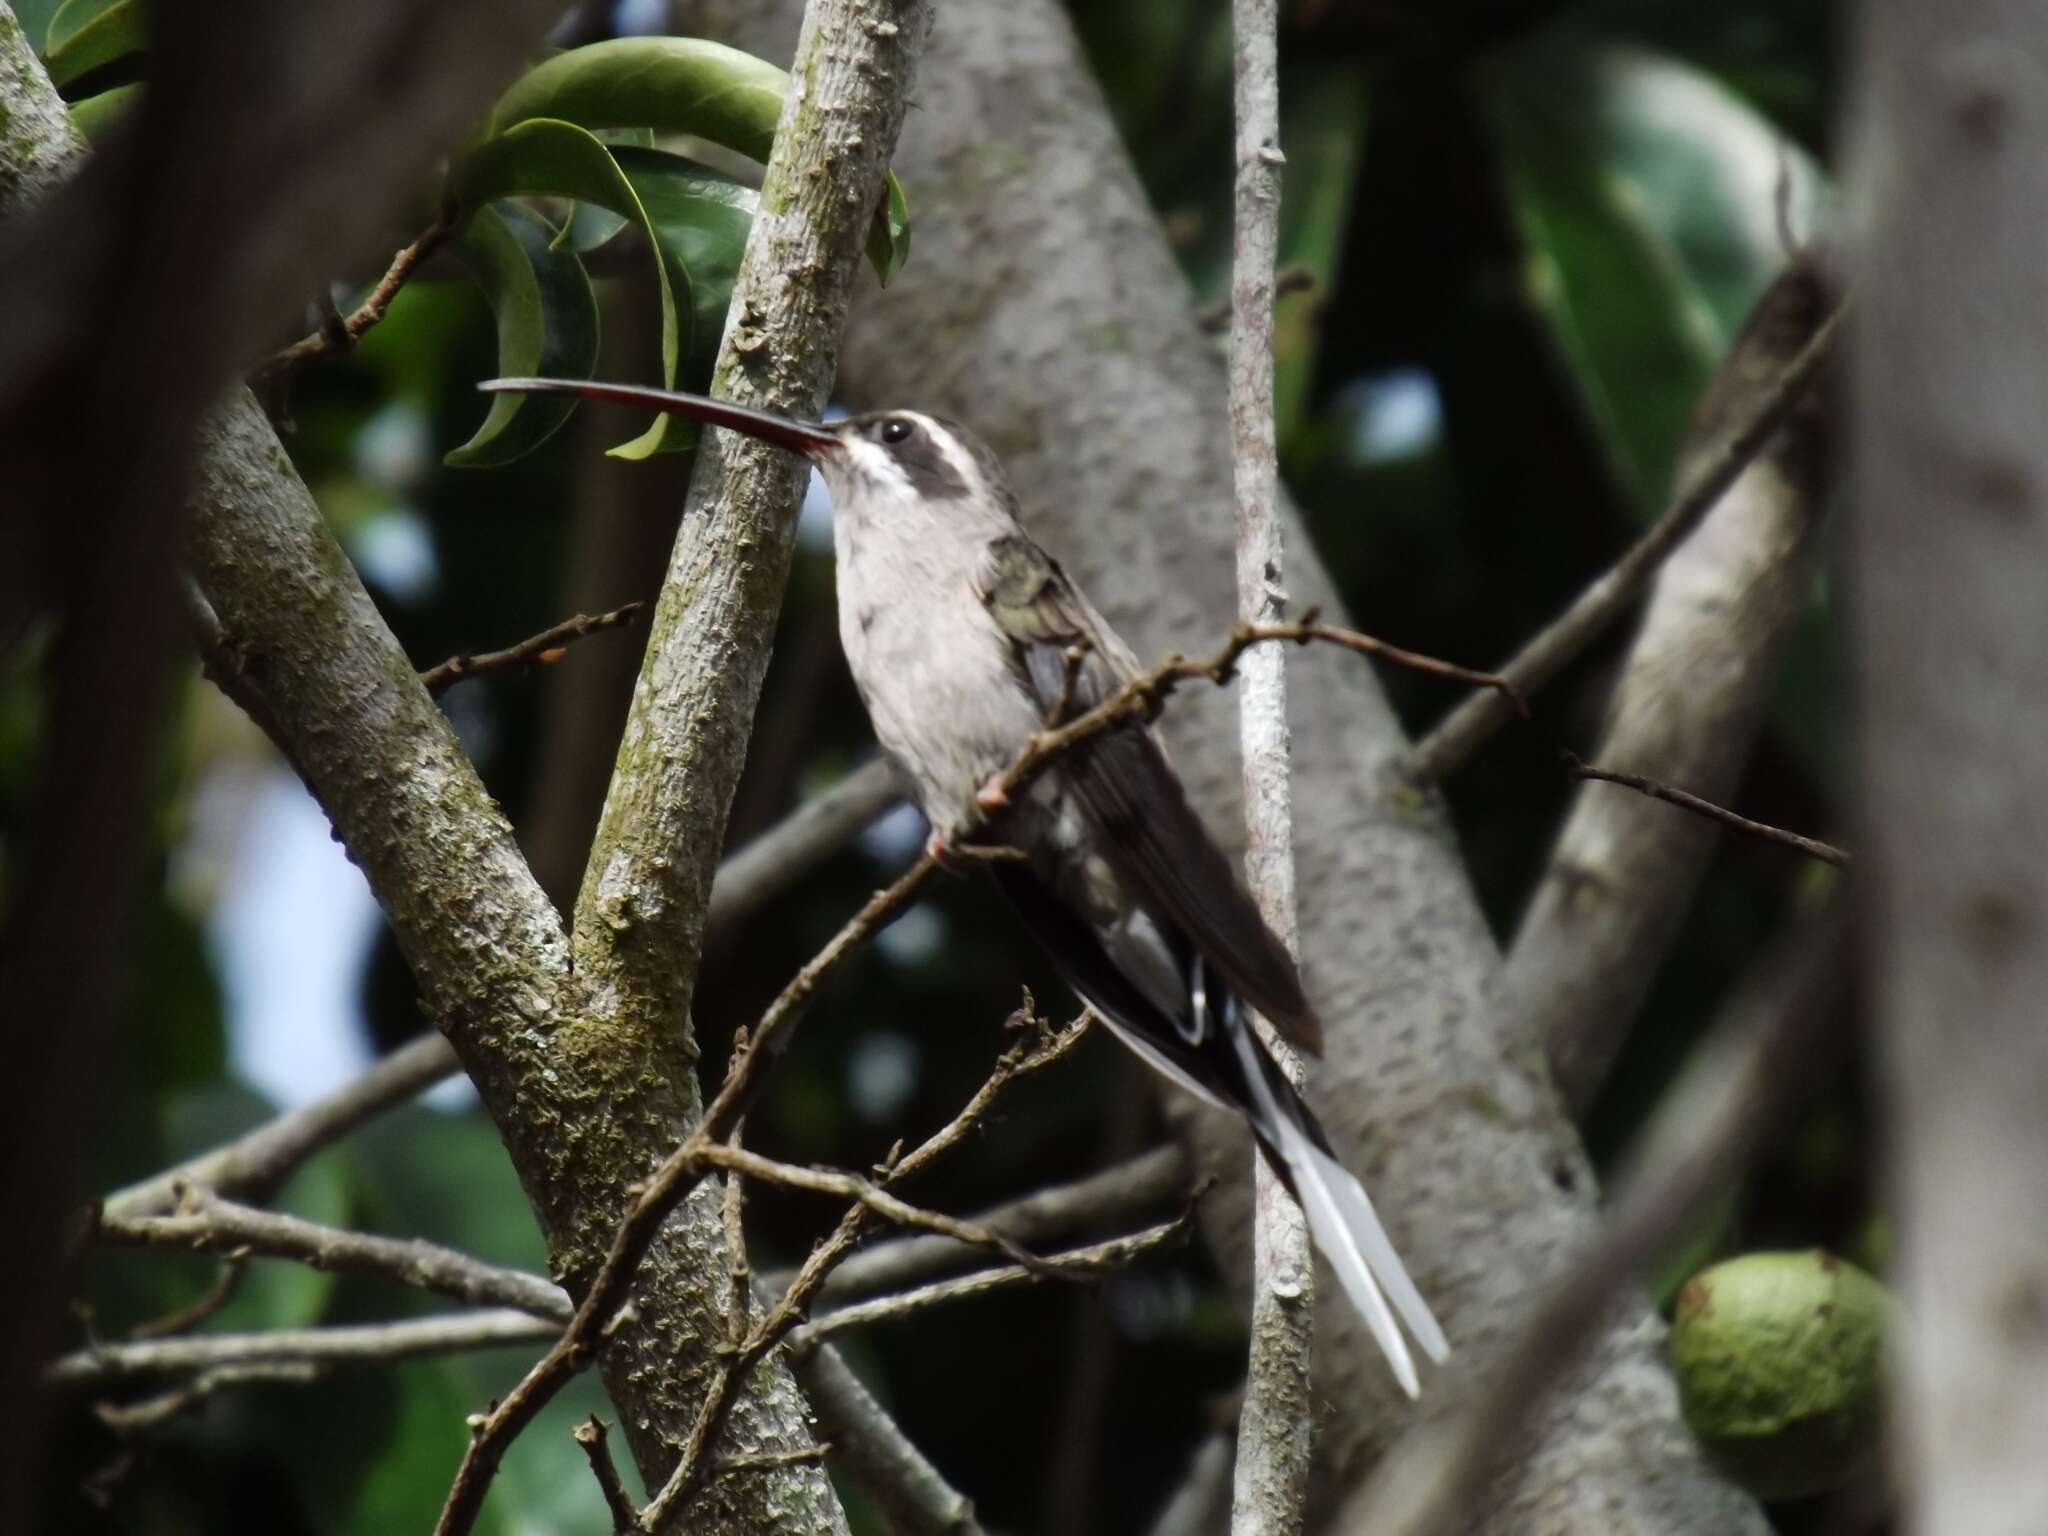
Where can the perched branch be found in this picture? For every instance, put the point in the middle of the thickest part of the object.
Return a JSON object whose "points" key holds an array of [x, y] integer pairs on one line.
{"points": [[336, 335], [1468, 727], [321, 1348], [1094, 1259], [1274, 1428], [542, 649], [1771, 1048], [590, 1435], [208, 1224], [1812, 847]]}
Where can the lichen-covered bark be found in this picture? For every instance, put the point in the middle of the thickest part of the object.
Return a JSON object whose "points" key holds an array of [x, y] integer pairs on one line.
{"points": [[646, 893], [1685, 711], [1061, 331], [1945, 557]]}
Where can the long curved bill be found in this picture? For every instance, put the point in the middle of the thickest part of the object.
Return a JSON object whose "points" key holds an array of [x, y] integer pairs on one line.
{"points": [[806, 438]]}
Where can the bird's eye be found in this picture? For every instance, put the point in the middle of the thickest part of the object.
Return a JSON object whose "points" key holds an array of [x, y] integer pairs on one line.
{"points": [[896, 430]]}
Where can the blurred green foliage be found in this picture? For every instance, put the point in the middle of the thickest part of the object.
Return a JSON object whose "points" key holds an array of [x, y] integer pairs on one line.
{"points": [[1531, 229]]}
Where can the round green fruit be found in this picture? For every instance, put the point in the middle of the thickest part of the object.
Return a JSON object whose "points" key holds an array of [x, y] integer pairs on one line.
{"points": [[1780, 1365]]}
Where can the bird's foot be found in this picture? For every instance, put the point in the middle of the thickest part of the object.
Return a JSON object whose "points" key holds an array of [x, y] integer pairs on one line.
{"points": [[993, 796]]}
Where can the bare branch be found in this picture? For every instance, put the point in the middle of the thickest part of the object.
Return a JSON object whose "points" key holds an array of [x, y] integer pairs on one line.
{"points": [[1813, 848], [1200, 1506], [1468, 727], [1094, 1259], [1689, 701], [210, 1301], [868, 1445], [590, 1435], [1771, 1048], [337, 334], [1115, 1195], [1273, 1430], [321, 1348], [537, 650], [206, 1223]]}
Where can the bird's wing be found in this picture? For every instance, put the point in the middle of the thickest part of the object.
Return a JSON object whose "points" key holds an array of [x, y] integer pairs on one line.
{"points": [[1154, 841]]}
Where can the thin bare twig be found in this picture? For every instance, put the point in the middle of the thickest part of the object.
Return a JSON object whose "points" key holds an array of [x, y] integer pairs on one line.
{"points": [[868, 1445], [1813, 848], [207, 1223], [769, 1460], [1026, 1056], [137, 1418], [1271, 1481], [335, 335], [215, 1296], [540, 650], [356, 1344], [590, 1435], [1468, 727], [1094, 1259], [1114, 1195], [1770, 1047]]}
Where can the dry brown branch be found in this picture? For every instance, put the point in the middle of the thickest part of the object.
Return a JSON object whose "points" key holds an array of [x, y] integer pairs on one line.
{"points": [[1813, 848], [206, 1223], [210, 1301], [149, 1413], [869, 1447], [1468, 727], [1771, 1047], [337, 334], [590, 1435], [541, 650], [354, 1344]]}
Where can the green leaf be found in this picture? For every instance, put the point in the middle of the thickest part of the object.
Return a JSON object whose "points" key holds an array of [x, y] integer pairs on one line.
{"points": [[549, 158], [98, 116], [86, 34], [547, 325], [682, 85], [889, 233], [1646, 193]]}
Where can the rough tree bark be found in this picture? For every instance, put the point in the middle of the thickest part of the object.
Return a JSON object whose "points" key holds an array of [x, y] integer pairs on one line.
{"points": [[1685, 711], [1055, 321], [1944, 565], [587, 1091]]}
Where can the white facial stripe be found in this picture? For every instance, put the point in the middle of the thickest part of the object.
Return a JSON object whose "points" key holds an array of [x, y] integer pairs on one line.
{"points": [[872, 462], [961, 461]]}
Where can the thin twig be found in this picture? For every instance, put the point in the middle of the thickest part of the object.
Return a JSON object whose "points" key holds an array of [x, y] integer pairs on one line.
{"points": [[1468, 727], [870, 1447], [136, 1418], [1271, 1481], [208, 1224], [1094, 1259], [1773, 1043], [590, 1435], [539, 650], [1812, 847], [794, 1304], [768, 1461], [272, 378], [359, 1344], [216, 1296]]}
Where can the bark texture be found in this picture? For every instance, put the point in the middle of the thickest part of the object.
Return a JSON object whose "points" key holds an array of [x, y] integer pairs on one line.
{"points": [[1944, 565], [1054, 321], [1686, 710]]}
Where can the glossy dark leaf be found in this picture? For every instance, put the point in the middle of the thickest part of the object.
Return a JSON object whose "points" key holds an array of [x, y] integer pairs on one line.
{"points": [[87, 34], [98, 116], [682, 85], [547, 324]]}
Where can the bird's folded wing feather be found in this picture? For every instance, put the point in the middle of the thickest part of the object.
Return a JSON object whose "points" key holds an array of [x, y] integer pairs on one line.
{"points": [[1154, 840]]}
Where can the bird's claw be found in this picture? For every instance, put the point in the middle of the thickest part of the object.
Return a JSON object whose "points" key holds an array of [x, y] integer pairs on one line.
{"points": [[993, 796]]}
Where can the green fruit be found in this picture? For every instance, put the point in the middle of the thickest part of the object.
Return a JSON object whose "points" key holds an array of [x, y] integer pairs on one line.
{"points": [[1779, 1358]]}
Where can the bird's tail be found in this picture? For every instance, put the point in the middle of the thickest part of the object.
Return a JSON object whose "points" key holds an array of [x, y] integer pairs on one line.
{"points": [[1340, 1215]]}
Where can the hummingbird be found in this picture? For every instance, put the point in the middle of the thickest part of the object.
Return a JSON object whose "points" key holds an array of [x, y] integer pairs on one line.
{"points": [[964, 636]]}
